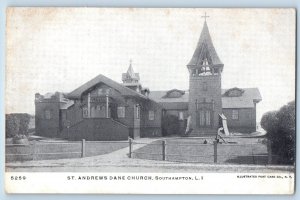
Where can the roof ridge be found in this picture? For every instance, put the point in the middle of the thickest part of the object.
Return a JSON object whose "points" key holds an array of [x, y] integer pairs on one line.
{"points": [[101, 78]]}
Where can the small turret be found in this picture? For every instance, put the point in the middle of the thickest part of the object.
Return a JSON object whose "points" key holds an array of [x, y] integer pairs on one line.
{"points": [[131, 79]]}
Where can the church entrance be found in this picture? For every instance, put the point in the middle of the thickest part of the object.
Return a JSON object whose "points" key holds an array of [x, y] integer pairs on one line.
{"points": [[205, 118]]}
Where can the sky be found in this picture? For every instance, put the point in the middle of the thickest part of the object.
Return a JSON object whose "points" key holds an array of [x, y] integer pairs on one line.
{"points": [[59, 49]]}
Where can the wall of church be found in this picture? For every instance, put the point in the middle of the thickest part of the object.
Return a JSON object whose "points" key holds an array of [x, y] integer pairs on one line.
{"points": [[101, 129], [208, 88], [75, 114], [241, 120], [47, 115], [151, 119]]}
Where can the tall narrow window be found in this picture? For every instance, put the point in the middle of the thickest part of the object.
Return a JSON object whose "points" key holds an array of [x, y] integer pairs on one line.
{"points": [[180, 115], [85, 112], [207, 117], [235, 114], [202, 118], [121, 112], [137, 111], [151, 115], [204, 86], [47, 114]]}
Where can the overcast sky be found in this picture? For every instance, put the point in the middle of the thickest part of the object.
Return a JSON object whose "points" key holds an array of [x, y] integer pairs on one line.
{"points": [[52, 50]]}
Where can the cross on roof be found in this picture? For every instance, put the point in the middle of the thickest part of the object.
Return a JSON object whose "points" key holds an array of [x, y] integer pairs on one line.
{"points": [[205, 16]]}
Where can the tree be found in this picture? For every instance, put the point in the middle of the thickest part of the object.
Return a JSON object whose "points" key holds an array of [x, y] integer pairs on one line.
{"points": [[16, 124], [280, 126]]}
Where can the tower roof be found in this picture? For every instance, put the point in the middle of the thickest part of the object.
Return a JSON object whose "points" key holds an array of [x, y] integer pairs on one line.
{"points": [[205, 50], [130, 72], [130, 75]]}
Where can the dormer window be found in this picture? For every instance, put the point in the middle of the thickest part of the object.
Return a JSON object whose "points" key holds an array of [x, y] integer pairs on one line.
{"points": [[234, 92], [175, 93]]}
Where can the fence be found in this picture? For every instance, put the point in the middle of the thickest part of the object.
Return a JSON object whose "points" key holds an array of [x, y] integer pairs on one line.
{"points": [[251, 153], [60, 150]]}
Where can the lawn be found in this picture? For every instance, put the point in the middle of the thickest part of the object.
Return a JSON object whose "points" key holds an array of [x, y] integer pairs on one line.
{"points": [[234, 151]]}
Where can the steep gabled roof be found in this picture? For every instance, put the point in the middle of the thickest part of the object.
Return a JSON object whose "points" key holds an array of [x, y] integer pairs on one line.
{"points": [[205, 49], [76, 94]]}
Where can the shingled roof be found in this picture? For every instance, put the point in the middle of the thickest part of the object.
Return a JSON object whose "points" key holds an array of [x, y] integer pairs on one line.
{"points": [[130, 74], [76, 94], [246, 100], [205, 49], [161, 97]]}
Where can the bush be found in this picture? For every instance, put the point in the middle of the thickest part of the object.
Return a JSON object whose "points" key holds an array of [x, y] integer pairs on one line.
{"points": [[16, 124], [280, 127], [269, 121]]}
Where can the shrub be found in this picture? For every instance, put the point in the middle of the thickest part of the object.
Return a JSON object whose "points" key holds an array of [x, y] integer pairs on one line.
{"points": [[16, 124], [280, 127], [269, 121]]}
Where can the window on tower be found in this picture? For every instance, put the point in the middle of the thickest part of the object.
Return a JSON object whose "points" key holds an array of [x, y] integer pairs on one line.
{"points": [[204, 86], [47, 114], [205, 69]]}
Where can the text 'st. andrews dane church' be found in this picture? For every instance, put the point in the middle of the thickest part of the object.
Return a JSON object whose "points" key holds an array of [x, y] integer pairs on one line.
{"points": [[103, 109]]}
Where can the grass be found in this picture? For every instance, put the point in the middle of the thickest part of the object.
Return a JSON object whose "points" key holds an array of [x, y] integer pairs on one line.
{"points": [[234, 151], [60, 150]]}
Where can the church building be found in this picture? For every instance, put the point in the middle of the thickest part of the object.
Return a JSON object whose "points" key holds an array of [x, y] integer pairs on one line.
{"points": [[103, 109]]}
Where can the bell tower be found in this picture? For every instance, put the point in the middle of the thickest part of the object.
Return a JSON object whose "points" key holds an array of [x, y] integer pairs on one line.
{"points": [[205, 72]]}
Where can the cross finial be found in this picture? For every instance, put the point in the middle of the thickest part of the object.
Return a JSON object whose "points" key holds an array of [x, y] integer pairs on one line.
{"points": [[130, 61], [205, 16]]}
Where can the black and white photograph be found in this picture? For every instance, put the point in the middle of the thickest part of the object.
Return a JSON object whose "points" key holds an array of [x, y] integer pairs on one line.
{"points": [[186, 99]]}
